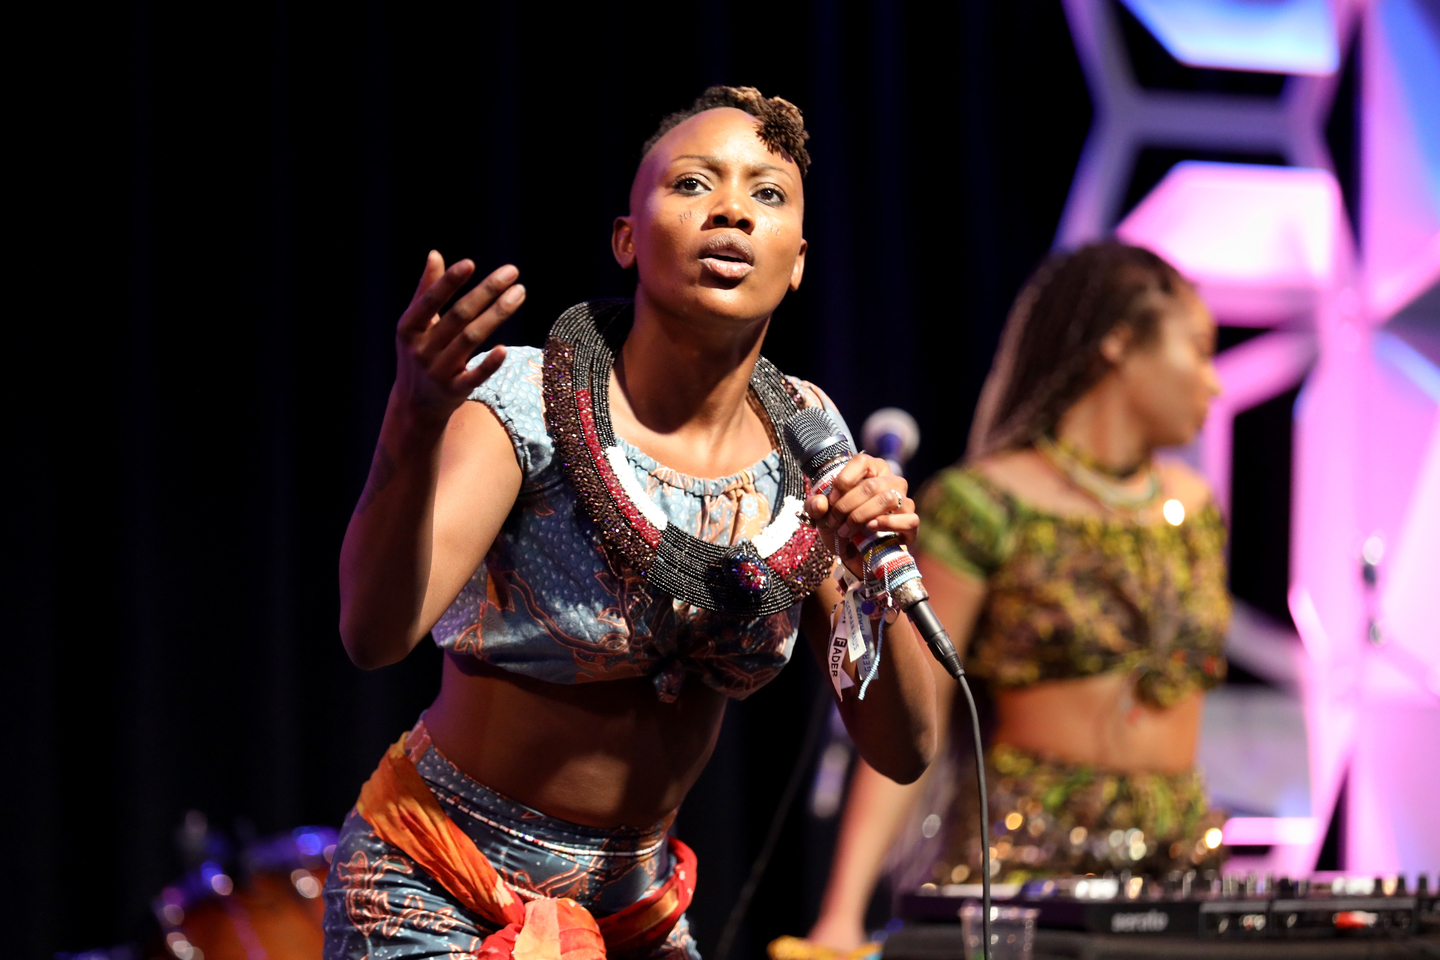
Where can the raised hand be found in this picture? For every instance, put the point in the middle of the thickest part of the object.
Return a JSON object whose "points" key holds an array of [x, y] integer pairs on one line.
{"points": [[432, 349]]}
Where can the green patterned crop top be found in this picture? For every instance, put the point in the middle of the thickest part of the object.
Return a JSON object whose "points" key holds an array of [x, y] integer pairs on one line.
{"points": [[1076, 596]]}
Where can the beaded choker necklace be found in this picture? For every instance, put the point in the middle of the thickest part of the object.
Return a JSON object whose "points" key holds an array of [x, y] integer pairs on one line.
{"points": [[1096, 482], [755, 577]]}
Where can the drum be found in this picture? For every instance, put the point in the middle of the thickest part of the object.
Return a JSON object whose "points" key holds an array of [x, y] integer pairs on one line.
{"points": [[272, 911]]}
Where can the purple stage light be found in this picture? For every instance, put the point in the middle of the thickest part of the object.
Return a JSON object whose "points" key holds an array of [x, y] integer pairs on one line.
{"points": [[1400, 151], [1263, 243], [1281, 36], [1272, 247], [1268, 831]]}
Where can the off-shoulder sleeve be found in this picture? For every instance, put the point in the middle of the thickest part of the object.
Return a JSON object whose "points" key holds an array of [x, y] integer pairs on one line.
{"points": [[964, 523]]}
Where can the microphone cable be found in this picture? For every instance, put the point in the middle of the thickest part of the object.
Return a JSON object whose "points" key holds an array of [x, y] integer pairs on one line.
{"points": [[984, 816], [818, 715]]}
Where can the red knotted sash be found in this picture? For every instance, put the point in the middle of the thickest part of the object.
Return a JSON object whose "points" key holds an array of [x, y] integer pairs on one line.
{"points": [[398, 805]]}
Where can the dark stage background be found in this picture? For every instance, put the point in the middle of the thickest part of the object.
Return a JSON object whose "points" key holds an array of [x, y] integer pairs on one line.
{"points": [[243, 197]]}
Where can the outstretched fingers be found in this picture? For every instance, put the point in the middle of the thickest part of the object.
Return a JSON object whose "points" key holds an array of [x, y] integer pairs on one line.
{"points": [[437, 285], [468, 380], [455, 320], [475, 330]]}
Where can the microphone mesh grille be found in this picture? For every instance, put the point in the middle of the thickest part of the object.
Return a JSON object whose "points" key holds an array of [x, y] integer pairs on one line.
{"points": [[814, 438]]}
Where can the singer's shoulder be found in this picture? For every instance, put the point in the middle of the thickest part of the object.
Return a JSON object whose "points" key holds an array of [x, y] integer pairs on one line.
{"points": [[810, 395], [1022, 473], [1183, 482]]}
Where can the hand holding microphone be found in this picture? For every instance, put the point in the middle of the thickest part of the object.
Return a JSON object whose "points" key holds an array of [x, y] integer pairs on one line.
{"points": [[880, 519]]}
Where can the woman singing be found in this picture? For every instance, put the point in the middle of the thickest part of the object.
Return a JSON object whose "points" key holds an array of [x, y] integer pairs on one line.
{"points": [[598, 595], [1089, 579]]}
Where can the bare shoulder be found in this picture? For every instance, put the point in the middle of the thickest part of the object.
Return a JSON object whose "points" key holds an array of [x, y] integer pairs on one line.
{"points": [[472, 421], [1024, 474], [1183, 482], [475, 438], [1006, 467]]}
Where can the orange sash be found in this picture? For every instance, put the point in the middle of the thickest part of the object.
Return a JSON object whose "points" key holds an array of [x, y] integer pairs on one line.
{"points": [[398, 805]]}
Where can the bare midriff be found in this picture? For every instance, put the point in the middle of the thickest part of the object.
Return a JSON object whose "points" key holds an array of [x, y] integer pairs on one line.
{"points": [[1095, 721], [603, 754]]}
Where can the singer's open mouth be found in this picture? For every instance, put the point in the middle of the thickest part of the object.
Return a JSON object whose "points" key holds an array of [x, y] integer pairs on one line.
{"points": [[731, 257]]}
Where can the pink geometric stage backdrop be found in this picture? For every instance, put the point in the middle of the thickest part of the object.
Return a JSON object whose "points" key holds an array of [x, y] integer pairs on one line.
{"points": [[1272, 247]]}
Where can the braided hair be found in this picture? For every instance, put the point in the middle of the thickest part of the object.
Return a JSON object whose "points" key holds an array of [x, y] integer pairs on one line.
{"points": [[782, 127], [1050, 349]]}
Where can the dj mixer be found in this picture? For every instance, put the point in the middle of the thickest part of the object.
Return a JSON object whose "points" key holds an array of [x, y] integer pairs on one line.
{"points": [[1191, 915]]}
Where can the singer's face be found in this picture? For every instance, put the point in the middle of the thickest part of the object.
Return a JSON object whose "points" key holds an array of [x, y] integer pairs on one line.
{"points": [[1170, 379], [715, 222]]}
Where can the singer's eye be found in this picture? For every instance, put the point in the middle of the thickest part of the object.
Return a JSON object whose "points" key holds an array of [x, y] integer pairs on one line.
{"points": [[771, 195], [689, 185]]}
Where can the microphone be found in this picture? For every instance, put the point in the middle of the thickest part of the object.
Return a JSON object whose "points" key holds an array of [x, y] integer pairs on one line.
{"points": [[823, 450], [892, 435]]}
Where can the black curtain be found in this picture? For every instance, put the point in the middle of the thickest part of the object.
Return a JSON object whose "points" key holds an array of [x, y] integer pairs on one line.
{"points": [[233, 205]]}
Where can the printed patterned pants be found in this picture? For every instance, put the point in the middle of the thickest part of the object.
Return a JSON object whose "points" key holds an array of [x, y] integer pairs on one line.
{"points": [[380, 905]]}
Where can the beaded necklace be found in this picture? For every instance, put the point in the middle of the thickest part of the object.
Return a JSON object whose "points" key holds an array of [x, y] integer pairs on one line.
{"points": [[1097, 482], [755, 577]]}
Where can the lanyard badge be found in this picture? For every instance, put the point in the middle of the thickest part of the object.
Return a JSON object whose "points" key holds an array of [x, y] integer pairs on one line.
{"points": [[854, 636]]}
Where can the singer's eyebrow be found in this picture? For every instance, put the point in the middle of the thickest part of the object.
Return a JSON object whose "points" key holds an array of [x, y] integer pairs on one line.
{"points": [[716, 163]]}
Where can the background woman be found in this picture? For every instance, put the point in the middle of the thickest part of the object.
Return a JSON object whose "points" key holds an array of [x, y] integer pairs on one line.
{"points": [[1089, 579], [587, 668]]}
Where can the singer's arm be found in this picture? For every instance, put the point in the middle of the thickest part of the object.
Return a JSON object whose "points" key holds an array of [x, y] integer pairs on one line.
{"points": [[444, 472], [895, 727], [876, 807]]}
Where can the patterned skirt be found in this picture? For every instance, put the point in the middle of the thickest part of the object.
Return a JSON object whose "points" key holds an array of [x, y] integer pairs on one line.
{"points": [[1049, 818], [379, 904]]}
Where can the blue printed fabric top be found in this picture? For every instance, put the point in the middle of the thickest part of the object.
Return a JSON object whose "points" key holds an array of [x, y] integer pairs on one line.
{"points": [[545, 602]]}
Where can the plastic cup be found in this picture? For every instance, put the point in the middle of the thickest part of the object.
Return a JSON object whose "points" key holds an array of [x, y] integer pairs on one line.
{"points": [[1012, 931]]}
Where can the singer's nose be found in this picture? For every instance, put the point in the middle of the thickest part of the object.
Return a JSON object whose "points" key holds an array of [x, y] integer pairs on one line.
{"points": [[729, 211]]}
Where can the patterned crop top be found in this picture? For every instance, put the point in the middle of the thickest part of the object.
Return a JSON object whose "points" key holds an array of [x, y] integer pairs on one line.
{"points": [[545, 602], [1072, 596]]}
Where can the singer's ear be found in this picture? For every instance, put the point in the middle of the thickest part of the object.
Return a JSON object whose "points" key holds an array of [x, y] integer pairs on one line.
{"points": [[798, 271], [1115, 344], [622, 242]]}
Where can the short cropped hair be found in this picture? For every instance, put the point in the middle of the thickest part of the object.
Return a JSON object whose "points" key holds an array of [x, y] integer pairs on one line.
{"points": [[782, 127]]}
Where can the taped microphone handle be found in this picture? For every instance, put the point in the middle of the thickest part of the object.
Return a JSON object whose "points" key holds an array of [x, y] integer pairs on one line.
{"points": [[911, 596]]}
